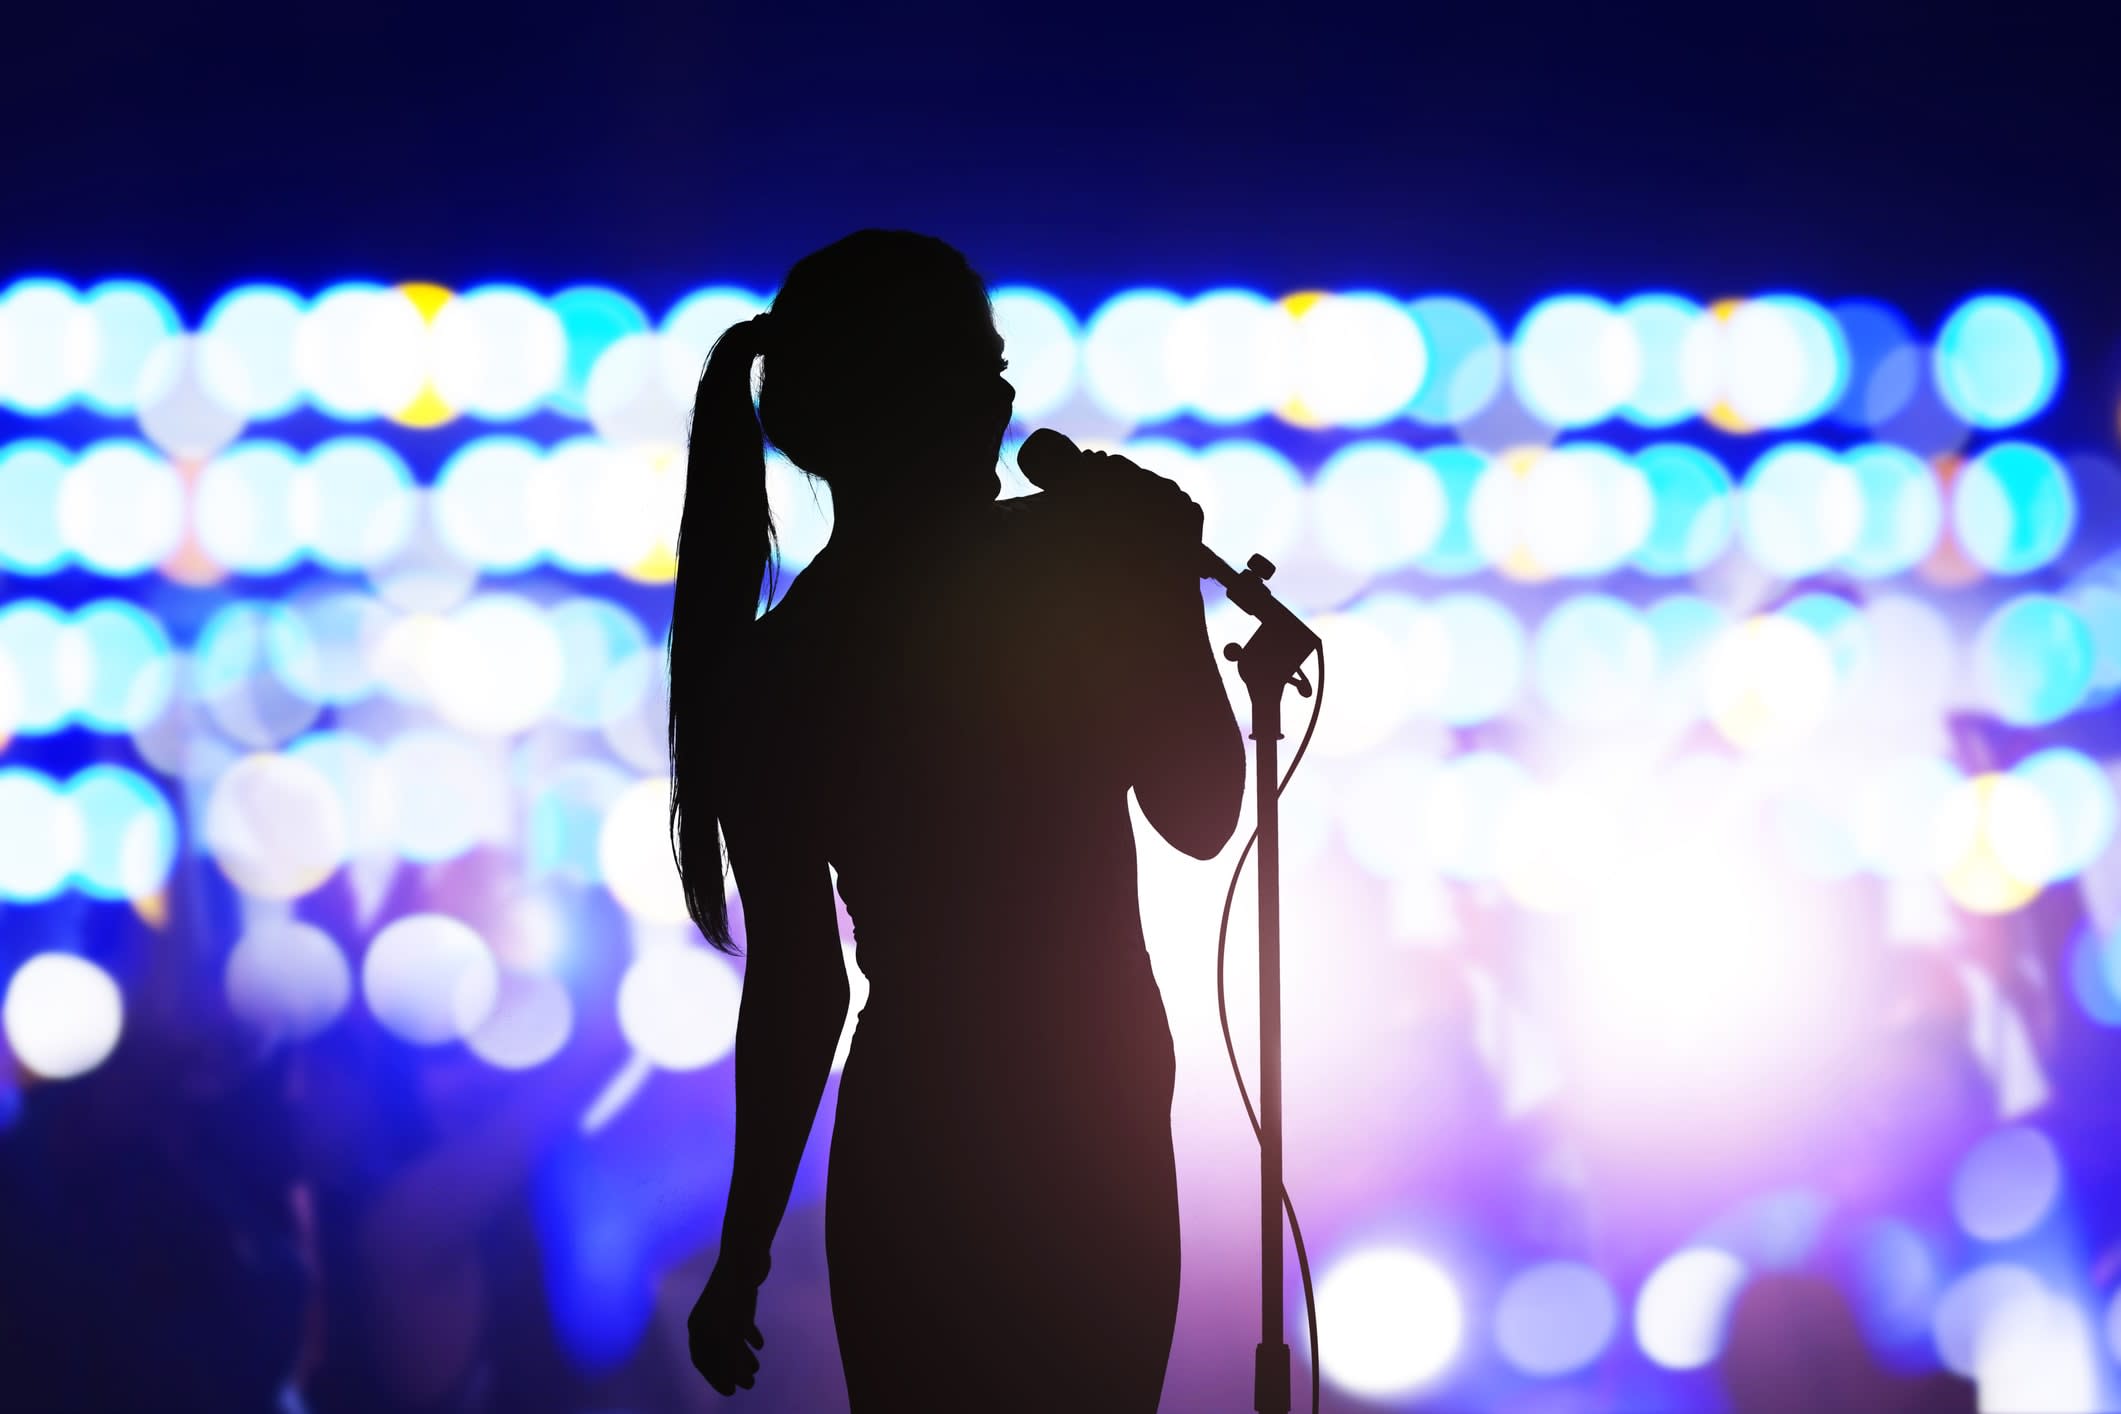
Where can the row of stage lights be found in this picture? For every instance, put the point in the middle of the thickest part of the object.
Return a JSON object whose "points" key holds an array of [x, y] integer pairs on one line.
{"points": [[422, 355], [502, 504]]}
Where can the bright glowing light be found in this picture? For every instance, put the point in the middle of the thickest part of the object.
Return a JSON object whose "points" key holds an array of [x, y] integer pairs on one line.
{"points": [[288, 979], [41, 836], [482, 503], [1486, 656], [121, 508], [362, 350], [1972, 1305], [1379, 681], [1380, 813], [132, 320], [1769, 681], [531, 1018], [353, 767], [2040, 1356], [1377, 506], [452, 792], [1993, 842], [593, 318], [1903, 514], [244, 510], [1786, 361], [626, 399], [1584, 509], [1465, 360], [63, 1015], [235, 667], [2006, 1184], [246, 351], [639, 735], [498, 351], [1996, 361], [423, 574], [1555, 1318], [1691, 519], [178, 411], [1800, 510], [1660, 324], [1909, 667], [2033, 659], [33, 476], [1898, 804], [693, 324], [48, 346], [1125, 370], [1230, 355], [356, 503], [678, 1006], [1256, 499], [1043, 345], [129, 665], [497, 669], [1594, 659], [567, 819], [1359, 360], [1684, 1307], [1884, 367], [1574, 361], [634, 854], [1896, 1281], [2013, 508], [1461, 471], [1464, 814], [50, 662], [2080, 800], [594, 636], [1397, 1321], [129, 833], [429, 979], [274, 826]]}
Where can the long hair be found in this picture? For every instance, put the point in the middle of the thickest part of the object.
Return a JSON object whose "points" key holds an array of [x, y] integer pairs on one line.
{"points": [[860, 347]]}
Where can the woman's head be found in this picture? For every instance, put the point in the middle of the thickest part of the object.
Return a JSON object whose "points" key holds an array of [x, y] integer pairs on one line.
{"points": [[882, 377]]}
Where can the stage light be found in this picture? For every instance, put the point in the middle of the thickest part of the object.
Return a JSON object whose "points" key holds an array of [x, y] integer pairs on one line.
{"points": [[244, 508], [48, 346], [2080, 798], [356, 502], [1594, 660], [1683, 628], [483, 503], [361, 350], [678, 1005], [1574, 361], [1800, 510], [1996, 361], [32, 480], [423, 575], [1909, 671], [1555, 1318], [563, 505], [1487, 651], [1463, 815], [1455, 554], [530, 1021], [130, 667], [689, 330], [1125, 368], [1660, 324], [132, 319], [121, 508], [498, 352], [1683, 1309], [1895, 1280], [2013, 508], [1465, 363], [354, 768], [1359, 360], [429, 979], [2006, 1184], [235, 676], [1380, 813], [634, 855], [1902, 511], [1377, 506], [498, 668], [594, 636], [10, 699], [1691, 516], [566, 823], [635, 511], [1584, 509], [288, 979], [1230, 355], [1786, 362], [1379, 681], [451, 792], [51, 670], [1839, 625], [1971, 1307], [1769, 682], [63, 1015], [2095, 974], [625, 398], [593, 318], [2033, 659], [179, 413], [1396, 1318], [1884, 363], [2041, 1356], [1993, 843], [1898, 804], [639, 733], [246, 351], [1257, 497], [41, 836], [274, 825]]}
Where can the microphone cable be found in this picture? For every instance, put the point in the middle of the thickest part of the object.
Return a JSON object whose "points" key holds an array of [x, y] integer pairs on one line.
{"points": [[1222, 1009]]}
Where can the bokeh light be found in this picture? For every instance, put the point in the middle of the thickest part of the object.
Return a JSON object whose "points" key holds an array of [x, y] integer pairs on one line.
{"points": [[2033, 660], [287, 978], [1574, 361], [1683, 1309], [2013, 509], [274, 825], [429, 979], [678, 1005], [1996, 361], [63, 1015], [1555, 1318], [41, 835], [1396, 1318], [2006, 1184], [128, 833]]}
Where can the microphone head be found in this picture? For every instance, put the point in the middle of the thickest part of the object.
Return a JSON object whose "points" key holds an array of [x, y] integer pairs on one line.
{"points": [[1046, 457]]}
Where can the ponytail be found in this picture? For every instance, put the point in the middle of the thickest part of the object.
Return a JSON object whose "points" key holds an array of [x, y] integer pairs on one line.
{"points": [[725, 544]]}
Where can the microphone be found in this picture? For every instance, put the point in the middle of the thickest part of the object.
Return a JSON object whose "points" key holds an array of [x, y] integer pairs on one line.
{"points": [[1051, 462]]}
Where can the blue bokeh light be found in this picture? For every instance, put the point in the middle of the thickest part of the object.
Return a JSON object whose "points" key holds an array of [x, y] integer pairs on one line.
{"points": [[593, 318], [32, 473], [2013, 508], [129, 665], [132, 320], [1996, 360], [1693, 515], [1903, 513], [129, 833], [1465, 360], [2034, 660]]}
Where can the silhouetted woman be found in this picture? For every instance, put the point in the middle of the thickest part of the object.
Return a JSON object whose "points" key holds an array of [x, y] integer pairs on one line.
{"points": [[947, 707]]}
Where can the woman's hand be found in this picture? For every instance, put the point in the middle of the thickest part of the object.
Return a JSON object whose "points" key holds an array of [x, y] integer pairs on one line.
{"points": [[1150, 513], [722, 1329]]}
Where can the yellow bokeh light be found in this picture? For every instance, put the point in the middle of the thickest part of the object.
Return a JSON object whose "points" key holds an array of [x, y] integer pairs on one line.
{"points": [[428, 408], [1989, 837], [1719, 413], [661, 503], [1295, 411], [152, 909]]}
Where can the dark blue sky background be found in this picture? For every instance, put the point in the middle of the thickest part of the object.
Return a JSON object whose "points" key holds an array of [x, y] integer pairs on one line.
{"points": [[1910, 151]]}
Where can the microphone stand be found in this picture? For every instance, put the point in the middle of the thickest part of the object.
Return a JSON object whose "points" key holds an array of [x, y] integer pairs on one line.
{"points": [[1271, 660]]}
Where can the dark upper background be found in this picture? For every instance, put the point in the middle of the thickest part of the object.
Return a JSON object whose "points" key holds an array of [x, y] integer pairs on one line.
{"points": [[1909, 151]]}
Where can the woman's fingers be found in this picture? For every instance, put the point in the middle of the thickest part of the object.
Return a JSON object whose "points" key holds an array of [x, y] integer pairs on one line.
{"points": [[758, 1338]]}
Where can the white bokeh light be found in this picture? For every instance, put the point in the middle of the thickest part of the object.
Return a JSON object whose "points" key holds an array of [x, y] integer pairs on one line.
{"points": [[1396, 1321], [678, 1005], [63, 1015], [274, 825], [1684, 1307], [287, 978], [429, 979], [634, 853], [1555, 1317], [2006, 1184]]}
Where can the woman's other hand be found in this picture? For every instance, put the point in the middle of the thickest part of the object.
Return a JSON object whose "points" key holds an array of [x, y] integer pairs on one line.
{"points": [[723, 1332]]}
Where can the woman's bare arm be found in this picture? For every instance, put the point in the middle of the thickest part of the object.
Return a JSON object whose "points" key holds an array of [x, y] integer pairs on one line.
{"points": [[1188, 768]]}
